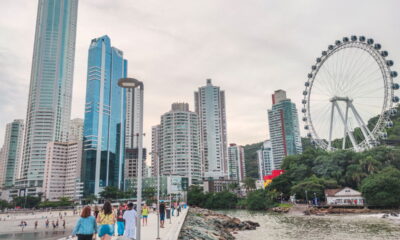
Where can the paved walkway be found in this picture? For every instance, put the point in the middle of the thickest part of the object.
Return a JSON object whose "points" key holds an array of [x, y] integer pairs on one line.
{"points": [[9, 224], [170, 232]]}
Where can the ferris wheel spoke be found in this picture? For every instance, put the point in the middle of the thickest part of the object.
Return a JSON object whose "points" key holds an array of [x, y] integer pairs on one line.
{"points": [[321, 89], [330, 76], [347, 70], [360, 70], [365, 78], [367, 92], [348, 65]]}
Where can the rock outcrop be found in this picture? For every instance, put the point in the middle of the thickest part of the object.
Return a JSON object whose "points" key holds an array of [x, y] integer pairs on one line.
{"points": [[209, 225]]}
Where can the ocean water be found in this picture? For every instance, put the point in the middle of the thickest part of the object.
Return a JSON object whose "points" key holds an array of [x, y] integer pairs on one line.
{"points": [[42, 235], [332, 227]]}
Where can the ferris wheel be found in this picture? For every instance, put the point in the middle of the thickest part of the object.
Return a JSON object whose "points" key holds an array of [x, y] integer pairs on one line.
{"points": [[349, 95]]}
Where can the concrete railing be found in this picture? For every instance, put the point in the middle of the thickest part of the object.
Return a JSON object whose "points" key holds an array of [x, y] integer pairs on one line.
{"points": [[173, 234]]}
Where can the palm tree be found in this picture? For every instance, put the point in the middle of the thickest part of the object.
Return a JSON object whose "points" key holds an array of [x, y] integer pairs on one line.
{"points": [[249, 183]]}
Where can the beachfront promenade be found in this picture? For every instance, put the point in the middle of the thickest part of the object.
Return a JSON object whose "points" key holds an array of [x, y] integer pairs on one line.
{"points": [[170, 232], [9, 225]]}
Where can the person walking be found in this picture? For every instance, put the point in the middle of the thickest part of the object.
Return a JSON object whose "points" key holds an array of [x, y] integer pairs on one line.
{"points": [[172, 209], [47, 223], [85, 226], [130, 222], [64, 223], [36, 223], [145, 214], [120, 219], [106, 221], [162, 214]]}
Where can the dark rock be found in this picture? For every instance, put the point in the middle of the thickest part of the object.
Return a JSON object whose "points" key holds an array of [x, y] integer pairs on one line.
{"points": [[208, 225]]}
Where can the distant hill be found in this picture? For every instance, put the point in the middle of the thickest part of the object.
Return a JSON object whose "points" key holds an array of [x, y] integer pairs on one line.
{"points": [[251, 160]]}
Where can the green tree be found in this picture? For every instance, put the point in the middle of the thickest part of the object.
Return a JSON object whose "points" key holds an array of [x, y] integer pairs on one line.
{"points": [[260, 200], [26, 202], [249, 183], [370, 165], [220, 200], [4, 204], [111, 192], [90, 199], [383, 188], [196, 196]]}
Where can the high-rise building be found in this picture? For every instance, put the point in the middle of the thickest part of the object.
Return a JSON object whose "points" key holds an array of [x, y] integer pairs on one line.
{"points": [[62, 171], [132, 117], [265, 160], [180, 143], [2, 164], [104, 123], [12, 153], [131, 164], [155, 147], [236, 163], [50, 91], [133, 114], [283, 128], [75, 130], [210, 107]]}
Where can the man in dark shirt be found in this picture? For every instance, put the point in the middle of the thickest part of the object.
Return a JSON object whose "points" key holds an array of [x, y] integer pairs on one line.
{"points": [[162, 214]]}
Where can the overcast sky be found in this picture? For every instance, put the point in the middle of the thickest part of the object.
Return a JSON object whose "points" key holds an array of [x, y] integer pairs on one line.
{"points": [[248, 47]]}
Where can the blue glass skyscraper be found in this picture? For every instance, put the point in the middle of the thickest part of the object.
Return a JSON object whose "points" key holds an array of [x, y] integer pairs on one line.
{"points": [[104, 124], [50, 91]]}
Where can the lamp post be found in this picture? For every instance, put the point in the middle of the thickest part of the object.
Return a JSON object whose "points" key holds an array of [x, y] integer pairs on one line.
{"points": [[158, 194], [132, 83]]}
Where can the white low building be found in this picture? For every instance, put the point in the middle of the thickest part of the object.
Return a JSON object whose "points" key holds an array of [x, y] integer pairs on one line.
{"points": [[344, 197]]}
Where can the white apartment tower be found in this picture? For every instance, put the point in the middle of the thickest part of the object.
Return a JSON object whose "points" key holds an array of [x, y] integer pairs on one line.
{"points": [[63, 170], [75, 130], [155, 148], [132, 117], [265, 160], [180, 143], [210, 107], [236, 163]]}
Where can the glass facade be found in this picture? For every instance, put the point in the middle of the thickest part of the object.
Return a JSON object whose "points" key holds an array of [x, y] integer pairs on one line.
{"points": [[283, 128], [12, 152], [50, 91], [104, 123]]}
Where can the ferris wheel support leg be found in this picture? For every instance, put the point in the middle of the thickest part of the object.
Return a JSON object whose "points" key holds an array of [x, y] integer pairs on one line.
{"points": [[345, 133], [365, 131], [331, 127], [351, 136]]}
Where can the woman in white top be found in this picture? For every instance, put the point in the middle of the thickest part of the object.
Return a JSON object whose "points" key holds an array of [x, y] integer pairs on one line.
{"points": [[130, 222]]}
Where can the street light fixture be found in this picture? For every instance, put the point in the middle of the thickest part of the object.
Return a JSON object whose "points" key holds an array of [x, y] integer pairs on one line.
{"points": [[132, 83]]}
